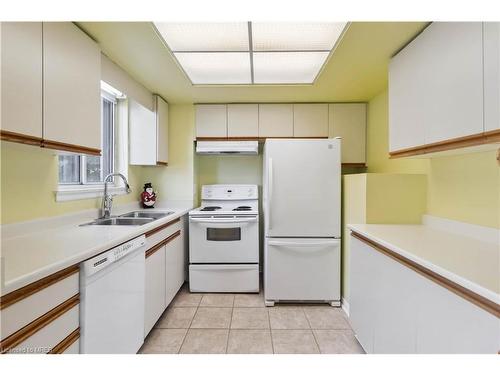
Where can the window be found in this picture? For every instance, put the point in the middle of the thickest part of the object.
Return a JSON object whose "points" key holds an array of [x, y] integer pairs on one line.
{"points": [[88, 170]]}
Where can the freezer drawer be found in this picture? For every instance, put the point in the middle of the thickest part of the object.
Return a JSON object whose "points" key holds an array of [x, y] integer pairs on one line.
{"points": [[224, 278], [300, 269]]}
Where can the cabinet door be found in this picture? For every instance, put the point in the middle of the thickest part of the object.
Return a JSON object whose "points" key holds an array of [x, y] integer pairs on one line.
{"points": [[175, 265], [447, 323], [310, 120], [211, 120], [348, 121], [436, 86], [275, 120], [161, 130], [242, 120], [71, 84], [21, 71], [394, 328], [142, 135], [155, 288], [491, 76], [363, 301]]}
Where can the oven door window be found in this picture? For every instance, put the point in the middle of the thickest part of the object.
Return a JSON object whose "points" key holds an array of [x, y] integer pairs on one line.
{"points": [[223, 234]]}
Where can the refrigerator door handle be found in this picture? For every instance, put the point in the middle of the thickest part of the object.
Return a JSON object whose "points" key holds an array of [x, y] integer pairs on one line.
{"points": [[270, 190], [303, 244]]}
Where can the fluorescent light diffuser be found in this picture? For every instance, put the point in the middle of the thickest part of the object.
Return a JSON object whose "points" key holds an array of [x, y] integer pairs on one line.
{"points": [[216, 68], [287, 67], [205, 36], [248, 53], [287, 36]]}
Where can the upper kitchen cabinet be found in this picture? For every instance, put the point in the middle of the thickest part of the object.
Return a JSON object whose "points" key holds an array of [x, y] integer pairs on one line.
{"points": [[211, 121], [148, 133], [71, 89], [275, 120], [348, 121], [21, 88], [161, 130], [491, 32], [242, 120], [142, 135], [436, 85], [310, 120]]}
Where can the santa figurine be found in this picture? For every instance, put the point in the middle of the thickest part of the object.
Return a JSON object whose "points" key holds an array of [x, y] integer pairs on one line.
{"points": [[148, 196]]}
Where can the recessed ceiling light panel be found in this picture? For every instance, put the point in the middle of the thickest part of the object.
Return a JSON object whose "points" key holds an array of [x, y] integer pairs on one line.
{"points": [[248, 53], [287, 36], [287, 67], [204, 68], [205, 36]]}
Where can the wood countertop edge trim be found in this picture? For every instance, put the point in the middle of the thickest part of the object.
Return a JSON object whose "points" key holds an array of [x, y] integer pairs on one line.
{"points": [[492, 136], [478, 300], [30, 329], [160, 244], [36, 286], [161, 227], [66, 342]]}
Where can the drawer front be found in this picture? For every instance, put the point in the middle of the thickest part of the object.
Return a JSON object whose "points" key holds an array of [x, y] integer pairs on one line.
{"points": [[23, 312], [224, 278], [158, 236], [48, 337]]}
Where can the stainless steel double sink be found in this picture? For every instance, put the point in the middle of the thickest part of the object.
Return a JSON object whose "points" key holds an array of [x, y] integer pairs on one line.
{"points": [[130, 218]]}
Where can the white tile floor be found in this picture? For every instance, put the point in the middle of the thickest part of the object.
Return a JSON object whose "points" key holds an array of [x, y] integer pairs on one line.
{"points": [[240, 323]]}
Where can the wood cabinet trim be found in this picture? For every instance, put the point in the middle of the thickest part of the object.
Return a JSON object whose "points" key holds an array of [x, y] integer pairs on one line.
{"points": [[70, 147], [66, 343], [354, 165], [478, 300], [161, 227], [161, 163], [492, 136], [34, 287], [29, 330], [159, 245], [20, 138], [259, 139]]}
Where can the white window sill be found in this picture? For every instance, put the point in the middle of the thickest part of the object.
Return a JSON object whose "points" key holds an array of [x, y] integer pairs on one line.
{"points": [[77, 192]]}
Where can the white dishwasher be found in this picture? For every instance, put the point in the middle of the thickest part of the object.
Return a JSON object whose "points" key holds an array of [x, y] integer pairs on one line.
{"points": [[112, 300]]}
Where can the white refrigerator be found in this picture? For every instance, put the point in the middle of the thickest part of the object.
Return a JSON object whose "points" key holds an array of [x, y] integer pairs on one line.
{"points": [[302, 202]]}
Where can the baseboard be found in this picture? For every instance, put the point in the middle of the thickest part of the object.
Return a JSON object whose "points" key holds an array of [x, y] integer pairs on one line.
{"points": [[345, 306]]}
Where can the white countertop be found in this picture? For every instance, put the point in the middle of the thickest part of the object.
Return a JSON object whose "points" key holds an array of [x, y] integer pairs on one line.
{"points": [[465, 260], [54, 244]]}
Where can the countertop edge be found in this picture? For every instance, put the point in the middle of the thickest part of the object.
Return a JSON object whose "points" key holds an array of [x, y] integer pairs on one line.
{"points": [[48, 270], [473, 287]]}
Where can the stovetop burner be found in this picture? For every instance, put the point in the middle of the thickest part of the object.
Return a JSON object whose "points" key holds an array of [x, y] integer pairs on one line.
{"points": [[211, 208], [242, 208]]}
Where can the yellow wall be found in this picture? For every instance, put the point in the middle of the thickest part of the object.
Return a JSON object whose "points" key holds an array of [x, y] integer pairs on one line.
{"points": [[463, 187], [466, 188], [176, 182], [377, 142], [29, 177]]}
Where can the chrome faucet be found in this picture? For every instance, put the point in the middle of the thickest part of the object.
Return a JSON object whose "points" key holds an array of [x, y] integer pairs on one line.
{"points": [[107, 202]]}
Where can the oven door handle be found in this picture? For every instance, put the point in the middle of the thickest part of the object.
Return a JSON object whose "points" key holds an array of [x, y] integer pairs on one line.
{"points": [[223, 221]]}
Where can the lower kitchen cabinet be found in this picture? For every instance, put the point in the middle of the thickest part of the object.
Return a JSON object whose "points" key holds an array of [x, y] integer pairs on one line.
{"points": [[394, 309], [42, 317], [155, 286], [165, 269], [175, 266]]}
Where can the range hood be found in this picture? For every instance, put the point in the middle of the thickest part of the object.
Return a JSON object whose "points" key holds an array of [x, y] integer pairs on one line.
{"points": [[227, 147]]}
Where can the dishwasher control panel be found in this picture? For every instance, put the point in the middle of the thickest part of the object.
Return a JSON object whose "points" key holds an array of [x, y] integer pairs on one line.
{"points": [[101, 261]]}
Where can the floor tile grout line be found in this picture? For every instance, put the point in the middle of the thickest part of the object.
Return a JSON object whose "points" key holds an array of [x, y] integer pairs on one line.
{"points": [[270, 330], [187, 331]]}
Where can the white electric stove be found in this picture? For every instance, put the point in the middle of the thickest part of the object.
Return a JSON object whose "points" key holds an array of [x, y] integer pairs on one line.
{"points": [[224, 240]]}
